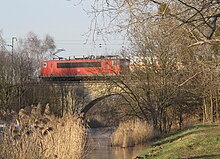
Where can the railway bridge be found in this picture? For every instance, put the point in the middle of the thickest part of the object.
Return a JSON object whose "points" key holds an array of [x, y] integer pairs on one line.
{"points": [[81, 96]]}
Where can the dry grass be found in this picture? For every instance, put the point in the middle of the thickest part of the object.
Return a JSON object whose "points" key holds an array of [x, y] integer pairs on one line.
{"points": [[44, 137], [131, 133]]}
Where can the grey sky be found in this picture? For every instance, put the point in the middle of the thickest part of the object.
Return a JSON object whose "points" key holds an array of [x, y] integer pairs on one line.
{"points": [[61, 19]]}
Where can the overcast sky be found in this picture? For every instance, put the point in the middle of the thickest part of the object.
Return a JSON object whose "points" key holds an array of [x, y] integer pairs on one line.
{"points": [[61, 19]]}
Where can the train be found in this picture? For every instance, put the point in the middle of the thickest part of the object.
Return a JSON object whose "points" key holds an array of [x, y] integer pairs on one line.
{"points": [[85, 68]]}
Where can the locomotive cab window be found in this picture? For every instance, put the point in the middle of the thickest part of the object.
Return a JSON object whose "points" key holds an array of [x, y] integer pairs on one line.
{"points": [[106, 65], [124, 63], [114, 62]]}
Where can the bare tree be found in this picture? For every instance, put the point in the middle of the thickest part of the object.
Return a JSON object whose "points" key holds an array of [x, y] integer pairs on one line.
{"points": [[173, 75], [200, 19], [17, 77]]}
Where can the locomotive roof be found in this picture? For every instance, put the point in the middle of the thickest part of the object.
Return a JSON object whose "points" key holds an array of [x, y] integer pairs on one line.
{"points": [[91, 57]]}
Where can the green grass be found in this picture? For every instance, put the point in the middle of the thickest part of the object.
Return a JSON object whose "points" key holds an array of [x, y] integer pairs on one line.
{"points": [[196, 142]]}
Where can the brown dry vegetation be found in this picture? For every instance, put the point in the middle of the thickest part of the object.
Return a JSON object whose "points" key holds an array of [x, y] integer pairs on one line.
{"points": [[44, 137], [131, 133]]}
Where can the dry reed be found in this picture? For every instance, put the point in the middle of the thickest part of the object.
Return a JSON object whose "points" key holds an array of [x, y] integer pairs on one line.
{"points": [[44, 137], [131, 133]]}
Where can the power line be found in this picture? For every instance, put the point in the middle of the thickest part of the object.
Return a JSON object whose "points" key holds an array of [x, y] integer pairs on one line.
{"points": [[87, 44], [81, 42], [85, 40]]}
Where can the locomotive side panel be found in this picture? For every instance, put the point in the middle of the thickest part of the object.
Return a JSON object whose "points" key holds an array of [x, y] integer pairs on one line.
{"points": [[76, 68], [112, 67], [82, 68]]}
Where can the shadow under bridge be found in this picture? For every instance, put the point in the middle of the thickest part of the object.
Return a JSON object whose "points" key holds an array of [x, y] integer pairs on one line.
{"points": [[92, 103]]}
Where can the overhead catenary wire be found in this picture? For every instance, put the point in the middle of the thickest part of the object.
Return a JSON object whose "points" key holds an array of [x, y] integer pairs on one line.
{"points": [[83, 42], [87, 44]]}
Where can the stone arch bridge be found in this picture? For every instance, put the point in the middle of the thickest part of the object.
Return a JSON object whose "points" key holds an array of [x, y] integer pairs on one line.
{"points": [[81, 96]]}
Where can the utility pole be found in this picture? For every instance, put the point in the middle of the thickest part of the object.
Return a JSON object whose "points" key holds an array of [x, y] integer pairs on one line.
{"points": [[12, 48], [13, 39]]}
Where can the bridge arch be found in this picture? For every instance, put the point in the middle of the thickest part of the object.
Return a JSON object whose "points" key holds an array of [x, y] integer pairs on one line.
{"points": [[95, 101]]}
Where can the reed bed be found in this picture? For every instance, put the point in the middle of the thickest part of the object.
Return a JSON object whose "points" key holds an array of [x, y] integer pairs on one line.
{"points": [[131, 133], [44, 137]]}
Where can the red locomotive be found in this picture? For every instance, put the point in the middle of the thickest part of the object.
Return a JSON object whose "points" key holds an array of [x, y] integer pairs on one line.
{"points": [[83, 68]]}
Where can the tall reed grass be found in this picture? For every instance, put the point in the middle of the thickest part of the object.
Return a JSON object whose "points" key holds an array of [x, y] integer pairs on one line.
{"points": [[131, 133], [44, 137]]}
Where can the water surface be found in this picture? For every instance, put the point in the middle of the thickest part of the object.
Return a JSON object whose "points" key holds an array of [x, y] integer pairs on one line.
{"points": [[99, 146]]}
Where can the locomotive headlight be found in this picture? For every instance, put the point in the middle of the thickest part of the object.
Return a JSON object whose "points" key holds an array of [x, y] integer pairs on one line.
{"points": [[44, 65]]}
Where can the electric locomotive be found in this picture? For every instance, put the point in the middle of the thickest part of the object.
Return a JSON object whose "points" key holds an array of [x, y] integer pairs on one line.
{"points": [[83, 68]]}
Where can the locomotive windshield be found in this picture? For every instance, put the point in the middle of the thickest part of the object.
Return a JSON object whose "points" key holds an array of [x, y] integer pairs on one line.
{"points": [[78, 64], [124, 63]]}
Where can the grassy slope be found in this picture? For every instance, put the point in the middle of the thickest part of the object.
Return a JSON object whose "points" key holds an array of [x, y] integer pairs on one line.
{"points": [[197, 142]]}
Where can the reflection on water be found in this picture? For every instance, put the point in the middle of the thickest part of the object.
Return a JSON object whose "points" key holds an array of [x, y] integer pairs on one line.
{"points": [[99, 146]]}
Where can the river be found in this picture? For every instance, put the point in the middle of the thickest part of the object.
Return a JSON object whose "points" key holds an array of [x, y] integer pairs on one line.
{"points": [[98, 146]]}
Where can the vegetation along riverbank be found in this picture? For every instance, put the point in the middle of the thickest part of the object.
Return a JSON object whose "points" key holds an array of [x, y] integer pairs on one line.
{"points": [[199, 141]]}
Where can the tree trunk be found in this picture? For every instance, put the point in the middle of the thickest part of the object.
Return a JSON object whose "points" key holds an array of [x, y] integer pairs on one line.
{"points": [[205, 114], [217, 107], [180, 118], [211, 108]]}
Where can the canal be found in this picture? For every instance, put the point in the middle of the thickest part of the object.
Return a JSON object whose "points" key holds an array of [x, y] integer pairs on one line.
{"points": [[98, 146]]}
